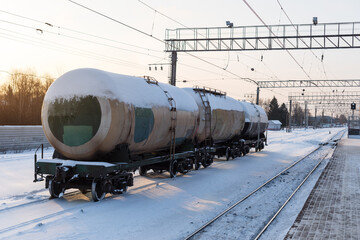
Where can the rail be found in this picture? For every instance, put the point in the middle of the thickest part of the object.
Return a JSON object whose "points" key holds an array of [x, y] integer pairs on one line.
{"points": [[257, 189]]}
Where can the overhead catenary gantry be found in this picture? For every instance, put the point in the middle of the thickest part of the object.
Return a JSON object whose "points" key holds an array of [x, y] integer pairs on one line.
{"points": [[241, 38], [309, 83], [266, 37], [335, 101], [322, 98]]}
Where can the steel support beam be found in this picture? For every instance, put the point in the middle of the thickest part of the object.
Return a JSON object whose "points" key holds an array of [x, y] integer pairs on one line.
{"points": [[309, 83], [247, 38], [331, 97]]}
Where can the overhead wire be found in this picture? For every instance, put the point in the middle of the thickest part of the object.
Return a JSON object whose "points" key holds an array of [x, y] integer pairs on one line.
{"points": [[74, 51], [78, 32], [162, 14], [297, 31], [77, 38], [276, 39], [174, 20], [160, 40], [280, 44], [27, 74], [61, 47]]}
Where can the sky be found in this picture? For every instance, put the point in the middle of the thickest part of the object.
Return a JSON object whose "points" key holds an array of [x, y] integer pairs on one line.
{"points": [[78, 38]]}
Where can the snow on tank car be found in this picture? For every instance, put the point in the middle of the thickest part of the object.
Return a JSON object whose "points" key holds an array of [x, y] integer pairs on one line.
{"points": [[88, 112]]}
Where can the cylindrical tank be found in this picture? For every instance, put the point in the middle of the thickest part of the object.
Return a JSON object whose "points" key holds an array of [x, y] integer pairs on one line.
{"points": [[255, 119], [88, 112], [227, 115]]}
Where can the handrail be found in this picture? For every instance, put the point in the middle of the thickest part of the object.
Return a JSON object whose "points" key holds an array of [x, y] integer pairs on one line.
{"points": [[210, 90], [35, 161]]}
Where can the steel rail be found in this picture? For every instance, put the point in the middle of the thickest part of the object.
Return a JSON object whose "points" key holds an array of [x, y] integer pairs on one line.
{"points": [[257, 189], [292, 195]]}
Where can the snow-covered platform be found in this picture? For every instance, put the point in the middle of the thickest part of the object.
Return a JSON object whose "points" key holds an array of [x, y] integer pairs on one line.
{"points": [[332, 211]]}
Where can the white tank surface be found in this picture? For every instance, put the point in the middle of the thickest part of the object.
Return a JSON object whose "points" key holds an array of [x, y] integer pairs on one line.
{"points": [[88, 112], [227, 114], [254, 116]]}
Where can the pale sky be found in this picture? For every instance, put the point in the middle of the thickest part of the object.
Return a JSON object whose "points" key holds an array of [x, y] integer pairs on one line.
{"points": [[56, 50]]}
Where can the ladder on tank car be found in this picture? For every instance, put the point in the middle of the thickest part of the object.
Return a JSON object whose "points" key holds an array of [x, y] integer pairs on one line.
{"points": [[207, 108], [173, 114]]}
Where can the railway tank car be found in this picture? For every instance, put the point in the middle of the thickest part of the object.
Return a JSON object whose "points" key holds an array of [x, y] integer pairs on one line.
{"points": [[256, 122], [104, 126], [88, 113]]}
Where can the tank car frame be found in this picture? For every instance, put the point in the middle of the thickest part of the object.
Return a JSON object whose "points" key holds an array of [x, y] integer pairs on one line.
{"points": [[114, 177]]}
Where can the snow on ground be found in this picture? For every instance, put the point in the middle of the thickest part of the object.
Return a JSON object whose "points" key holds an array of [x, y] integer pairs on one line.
{"points": [[156, 207]]}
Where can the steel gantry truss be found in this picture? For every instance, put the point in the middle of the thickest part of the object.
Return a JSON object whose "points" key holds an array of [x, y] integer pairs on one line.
{"points": [[309, 83], [270, 37], [323, 98], [335, 101]]}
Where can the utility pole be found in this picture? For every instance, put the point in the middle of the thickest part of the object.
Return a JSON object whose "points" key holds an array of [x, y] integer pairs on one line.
{"points": [[173, 68], [257, 95], [306, 115], [289, 128]]}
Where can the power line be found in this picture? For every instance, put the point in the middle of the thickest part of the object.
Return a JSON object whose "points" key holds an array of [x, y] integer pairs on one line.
{"points": [[297, 31], [164, 15], [279, 42], [78, 32], [151, 36], [61, 47], [27, 74], [76, 38], [81, 54], [117, 21]]}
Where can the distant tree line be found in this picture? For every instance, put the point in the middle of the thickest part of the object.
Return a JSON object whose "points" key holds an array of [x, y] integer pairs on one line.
{"points": [[21, 98], [276, 112]]}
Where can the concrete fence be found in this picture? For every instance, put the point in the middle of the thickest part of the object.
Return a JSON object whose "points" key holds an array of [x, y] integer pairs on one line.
{"points": [[19, 138]]}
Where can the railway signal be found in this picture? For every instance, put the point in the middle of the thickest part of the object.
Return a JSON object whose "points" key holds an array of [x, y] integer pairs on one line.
{"points": [[353, 106]]}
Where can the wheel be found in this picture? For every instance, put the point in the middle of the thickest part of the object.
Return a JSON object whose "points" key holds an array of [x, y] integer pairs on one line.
{"points": [[173, 169], [142, 171], [228, 153], [206, 160], [56, 189], [97, 191], [196, 162]]}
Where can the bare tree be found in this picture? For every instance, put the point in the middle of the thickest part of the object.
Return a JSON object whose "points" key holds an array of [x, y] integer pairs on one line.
{"points": [[21, 98]]}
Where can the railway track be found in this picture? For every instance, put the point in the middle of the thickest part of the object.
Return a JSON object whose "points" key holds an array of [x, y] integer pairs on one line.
{"points": [[197, 234], [67, 207], [37, 201]]}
